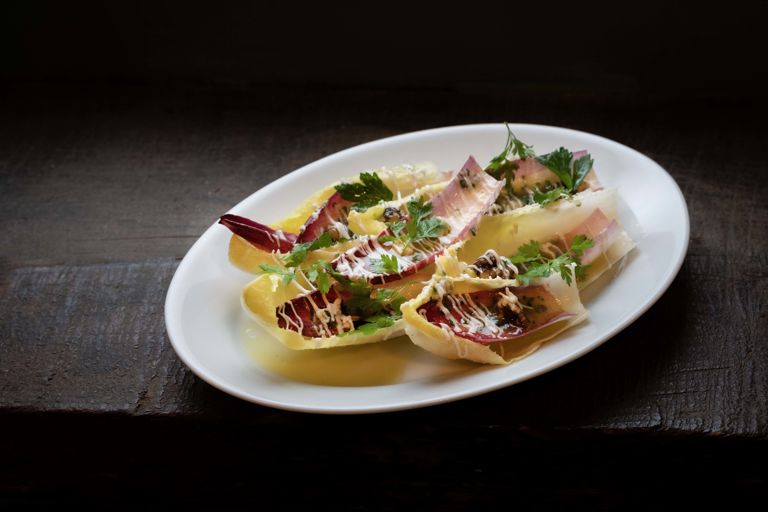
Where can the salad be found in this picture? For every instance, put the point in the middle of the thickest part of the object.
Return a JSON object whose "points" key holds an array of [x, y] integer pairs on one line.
{"points": [[472, 264]]}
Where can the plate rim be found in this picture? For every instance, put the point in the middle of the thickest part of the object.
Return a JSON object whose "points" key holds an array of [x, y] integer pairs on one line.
{"points": [[175, 334]]}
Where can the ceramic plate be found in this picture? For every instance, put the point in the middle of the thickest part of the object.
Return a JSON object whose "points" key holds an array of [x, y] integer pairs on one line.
{"points": [[215, 338]]}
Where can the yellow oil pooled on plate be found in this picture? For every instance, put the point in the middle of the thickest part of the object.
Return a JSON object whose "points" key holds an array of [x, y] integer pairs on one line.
{"points": [[375, 364]]}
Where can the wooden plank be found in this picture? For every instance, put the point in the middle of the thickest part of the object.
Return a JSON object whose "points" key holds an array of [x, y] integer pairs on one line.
{"points": [[92, 338], [124, 174], [103, 190]]}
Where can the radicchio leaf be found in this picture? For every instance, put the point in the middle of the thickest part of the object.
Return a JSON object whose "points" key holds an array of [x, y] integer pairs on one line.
{"points": [[329, 217], [491, 316], [258, 234], [461, 205]]}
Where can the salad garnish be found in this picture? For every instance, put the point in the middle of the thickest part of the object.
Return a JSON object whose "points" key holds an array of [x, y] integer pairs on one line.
{"points": [[419, 224], [406, 264], [526, 178], [540, 260], [369, 191]]}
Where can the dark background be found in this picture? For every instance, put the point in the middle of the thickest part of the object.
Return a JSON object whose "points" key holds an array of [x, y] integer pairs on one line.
{"points": [[126, 128], [673, 48]]}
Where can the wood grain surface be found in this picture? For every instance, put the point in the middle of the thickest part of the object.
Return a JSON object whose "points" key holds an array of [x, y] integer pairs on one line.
{"points": [[104, 188]]}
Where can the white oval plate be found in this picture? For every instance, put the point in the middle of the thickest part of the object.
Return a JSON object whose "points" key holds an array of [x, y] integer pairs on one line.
{"points": [[213, 336]]}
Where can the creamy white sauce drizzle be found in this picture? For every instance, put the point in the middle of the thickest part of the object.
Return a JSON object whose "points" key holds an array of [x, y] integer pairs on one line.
{"points": [[339, 227], [506, 202], [465, 315], [329, 312], [507, 299], [550, 250], [490, 261], [276, 237], [356, 262], [456, 205], [291, 321]]}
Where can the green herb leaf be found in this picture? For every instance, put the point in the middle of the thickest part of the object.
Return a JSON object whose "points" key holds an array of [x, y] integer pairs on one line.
{"points": [[360, 303], [527, 253], [571, 173], [537, 271], [581, 243], [397, 227], [378, 307], [299, 252], [387, 264], [537, 265], [421, 224], [565, 268], [375, 323], [544, 198], [513, 147], [288, 276], [366, 301], [432, 227], [366, 193], [502, 166], [581, 271], [559, 162], [318, 274], [389, 299], [419, 208], [562, 265], [581, 168]]}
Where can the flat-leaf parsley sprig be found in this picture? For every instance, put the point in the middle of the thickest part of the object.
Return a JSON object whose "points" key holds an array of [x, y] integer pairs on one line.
{"points": [[420, 224], [502, 166], [369, 191], [374, 308], [537, 264], [570, 172]]}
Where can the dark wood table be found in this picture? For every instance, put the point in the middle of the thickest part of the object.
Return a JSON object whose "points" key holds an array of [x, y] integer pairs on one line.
{"points": [[104, 188]]}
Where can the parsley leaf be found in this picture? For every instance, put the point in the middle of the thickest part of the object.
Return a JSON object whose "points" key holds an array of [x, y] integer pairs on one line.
{"points": [[581, 168], [572, 174], [377, 307], [432, 227], [544, 198], [318, 274], [299, 252], [581, 243], [418, 208], [527, 253], [366, 193], [537, 265], [387, 264], [559, 162], [359, 303], [538, 270], [562, 264], [581, 271], [389, 299], [274, 269], [513, 147], [502, 167], [396, 227], [375, 323], [366, 301], [420, 224]]}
